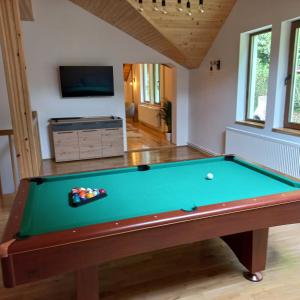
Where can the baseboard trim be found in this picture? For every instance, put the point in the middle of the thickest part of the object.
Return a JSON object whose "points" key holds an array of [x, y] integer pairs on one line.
{"points": [[158, 129], [204, 150]]}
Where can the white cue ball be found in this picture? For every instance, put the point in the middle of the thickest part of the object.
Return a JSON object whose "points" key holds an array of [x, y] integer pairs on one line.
{"points": [[210, 176]]}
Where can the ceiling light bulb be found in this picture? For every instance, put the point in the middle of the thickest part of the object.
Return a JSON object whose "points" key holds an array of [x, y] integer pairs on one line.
{"points": [[189, 10], [201, 6], [163, 9], [140, 6], [179, 6], [155, 7]]}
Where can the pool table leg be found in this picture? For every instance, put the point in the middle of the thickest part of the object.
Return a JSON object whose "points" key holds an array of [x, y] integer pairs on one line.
{"points": [[251, 250], [87, 283]]}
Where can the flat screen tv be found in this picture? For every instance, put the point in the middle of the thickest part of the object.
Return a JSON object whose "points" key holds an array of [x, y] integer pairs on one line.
{"points": [[86, 81]]}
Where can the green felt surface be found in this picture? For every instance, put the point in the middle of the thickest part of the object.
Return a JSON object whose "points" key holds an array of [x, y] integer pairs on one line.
{"points": [[165, 187]]}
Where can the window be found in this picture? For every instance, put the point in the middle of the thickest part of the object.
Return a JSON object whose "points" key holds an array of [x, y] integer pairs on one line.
{"points": [[292, 108], [150, 83], [258, 75]]}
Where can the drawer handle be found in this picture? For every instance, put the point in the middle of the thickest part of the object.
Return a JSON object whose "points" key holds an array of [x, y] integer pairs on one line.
{"points": [[91, 130], [64, 132]]}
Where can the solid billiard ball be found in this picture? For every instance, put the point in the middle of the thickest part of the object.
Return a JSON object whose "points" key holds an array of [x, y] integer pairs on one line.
{"points": [[82, 194], [76, 198], [210, 176]]}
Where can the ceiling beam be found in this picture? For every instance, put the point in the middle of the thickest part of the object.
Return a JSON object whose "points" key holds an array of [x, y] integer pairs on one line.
{"points": [[26, 10]]}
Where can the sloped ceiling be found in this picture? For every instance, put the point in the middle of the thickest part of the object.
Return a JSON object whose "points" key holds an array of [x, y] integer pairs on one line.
{"points": [[191, 35], [184, 39]]}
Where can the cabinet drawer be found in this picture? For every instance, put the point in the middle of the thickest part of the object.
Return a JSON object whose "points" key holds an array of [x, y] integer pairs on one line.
{"points": [[91, 153], [65, 138], [112, 151], [89, 137], [112, 131], [86, 147], [111, 139], [66, 153]]}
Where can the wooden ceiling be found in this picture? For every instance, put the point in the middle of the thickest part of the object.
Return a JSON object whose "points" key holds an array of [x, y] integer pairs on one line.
{"points": [[191, 35], [184, 39], [180, 37]]}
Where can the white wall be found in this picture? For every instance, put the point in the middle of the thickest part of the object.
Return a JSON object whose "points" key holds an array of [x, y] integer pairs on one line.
{"points": [[169, 92], [213, 95], [65, 34]]}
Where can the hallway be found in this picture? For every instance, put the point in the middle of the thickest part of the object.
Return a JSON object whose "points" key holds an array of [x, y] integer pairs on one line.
{"points": [[141, 137]]}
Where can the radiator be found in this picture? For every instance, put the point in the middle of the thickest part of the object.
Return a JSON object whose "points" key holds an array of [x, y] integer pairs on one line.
{"points": [[150, 115], [274, 153]]}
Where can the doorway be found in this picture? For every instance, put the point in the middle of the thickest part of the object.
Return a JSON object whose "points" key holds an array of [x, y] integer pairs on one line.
{"points": [[149, 96]]}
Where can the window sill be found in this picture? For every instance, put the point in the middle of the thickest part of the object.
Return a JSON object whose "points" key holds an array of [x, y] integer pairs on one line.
{"points": [[251, 124], [288, 131], [150, 105]]}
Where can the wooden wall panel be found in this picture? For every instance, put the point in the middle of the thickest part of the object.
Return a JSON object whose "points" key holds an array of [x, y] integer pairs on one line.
{"points": [[17, 86]]}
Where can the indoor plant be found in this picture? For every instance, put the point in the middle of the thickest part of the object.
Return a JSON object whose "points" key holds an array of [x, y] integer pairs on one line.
{"points": [[166, 115]]}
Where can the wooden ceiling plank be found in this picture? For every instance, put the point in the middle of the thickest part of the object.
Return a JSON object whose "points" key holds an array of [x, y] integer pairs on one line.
{"points": [[122, 15], [178, 36]]}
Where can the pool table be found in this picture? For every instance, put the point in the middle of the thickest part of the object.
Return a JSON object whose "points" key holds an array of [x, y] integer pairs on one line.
{"points": [[147, 208]]}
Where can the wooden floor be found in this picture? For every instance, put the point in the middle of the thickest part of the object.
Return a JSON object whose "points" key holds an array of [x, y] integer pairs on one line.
{"points": [[141, 137], [202, 271], [131, 158]]}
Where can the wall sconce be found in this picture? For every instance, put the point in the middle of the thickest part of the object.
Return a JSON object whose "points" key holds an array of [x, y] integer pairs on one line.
{"points": [[132, 81], [215, 64]]}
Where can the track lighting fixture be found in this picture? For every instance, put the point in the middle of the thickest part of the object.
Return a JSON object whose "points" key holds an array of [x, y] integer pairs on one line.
{"points": [[179, 6], [140, 6], [190, 8], [163, 7], [155, 7], [201, 6]]}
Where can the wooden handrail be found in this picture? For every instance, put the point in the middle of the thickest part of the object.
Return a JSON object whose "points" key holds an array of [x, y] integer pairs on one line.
{"points": [[6, 132]]}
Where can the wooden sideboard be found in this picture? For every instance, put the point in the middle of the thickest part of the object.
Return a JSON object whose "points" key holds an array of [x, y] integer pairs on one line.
{"points": [[86, 138]]}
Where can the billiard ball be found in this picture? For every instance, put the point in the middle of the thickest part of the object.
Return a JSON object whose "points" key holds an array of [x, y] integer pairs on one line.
{"points": [[76, 198], [90, 195], [102, 191], [82, 194], [210, 176]]}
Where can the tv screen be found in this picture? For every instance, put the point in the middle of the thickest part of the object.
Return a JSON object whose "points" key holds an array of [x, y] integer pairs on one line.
{"points": [[86, 81]]}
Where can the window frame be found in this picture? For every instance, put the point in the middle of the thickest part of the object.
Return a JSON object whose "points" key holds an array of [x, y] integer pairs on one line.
{"points": [[146, 70], [154, 84], [249, 74], [289, 78]]}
